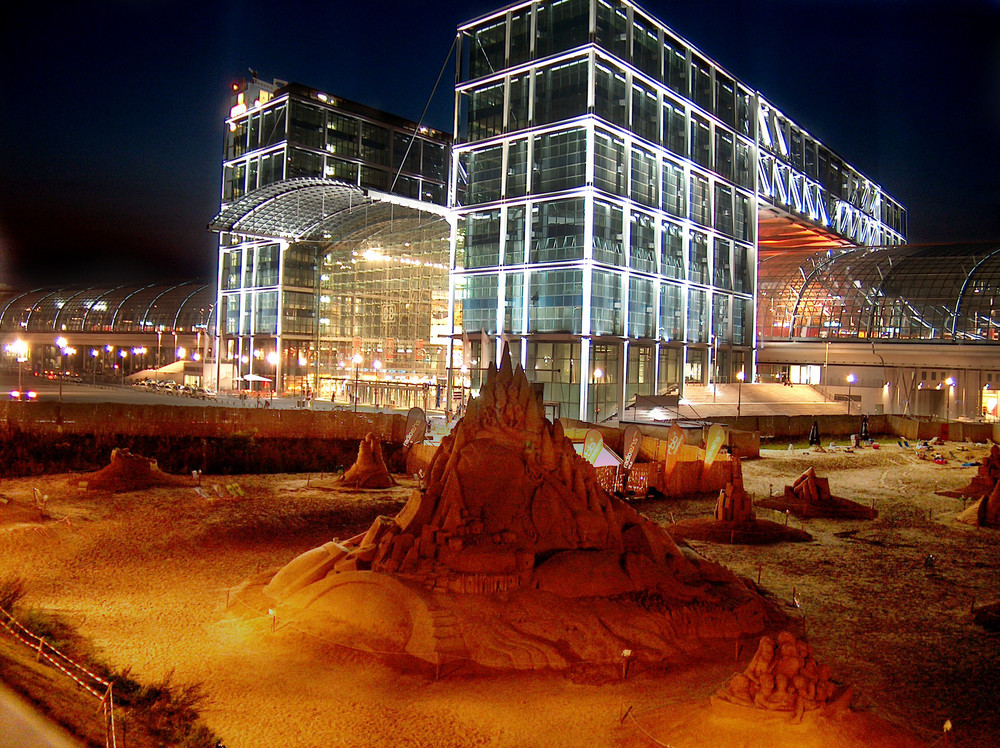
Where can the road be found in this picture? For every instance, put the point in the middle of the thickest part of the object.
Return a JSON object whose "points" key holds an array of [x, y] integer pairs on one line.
{"points": [[23, 726]]}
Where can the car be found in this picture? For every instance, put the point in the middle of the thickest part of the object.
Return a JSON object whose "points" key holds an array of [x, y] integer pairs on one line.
{"points": [[25, 396]]}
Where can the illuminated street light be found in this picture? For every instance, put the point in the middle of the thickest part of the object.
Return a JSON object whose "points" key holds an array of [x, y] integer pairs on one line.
{"points": [[20, 349], [357, 362], [123, 353], [376, 365], [740, 376], [598, 373], [950, 381], [851, 379]]}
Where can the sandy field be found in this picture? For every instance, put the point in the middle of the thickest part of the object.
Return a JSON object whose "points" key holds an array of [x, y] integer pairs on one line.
{"points": [[152, 578]]}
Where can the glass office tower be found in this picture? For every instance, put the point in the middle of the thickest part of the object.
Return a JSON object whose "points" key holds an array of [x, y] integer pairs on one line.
{"points": [[614, 187], [319, 259]]}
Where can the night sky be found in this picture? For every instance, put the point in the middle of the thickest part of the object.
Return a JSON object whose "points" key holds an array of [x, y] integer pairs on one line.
{"points": [[112, 123]]}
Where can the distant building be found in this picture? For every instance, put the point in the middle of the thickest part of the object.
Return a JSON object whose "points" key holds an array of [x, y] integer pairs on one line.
{"points": [[615, 189], [334, 244]]}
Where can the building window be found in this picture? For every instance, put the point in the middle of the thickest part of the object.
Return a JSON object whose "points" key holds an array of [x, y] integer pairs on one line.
{"points": [[697, 316], [517, 108], [605, 303], [643, 177], [646, 49], [642, 246], [479, 304], [486, 112], [674, 190], [722, 265], [700, 204], [482, 239], [305, 125], [520, 36], [701, 83], [374, 144], [701, 141], [724, 209], [641, 308], [561, 25], [561, 92], [612, 27], [698, 258], [644, 113], [342, 135], [608, 233], [556, 303], [484, 170], [609, 163], [557, 230], [560, 161], [514, 303], [674, 128], [513, 253], [486, 50], [675, 66], [672, 251], [610, 93], [720, 318], [517, 168], [671, 312]]}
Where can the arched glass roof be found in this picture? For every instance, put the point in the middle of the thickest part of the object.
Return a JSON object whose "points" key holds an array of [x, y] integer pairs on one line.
{"points": [[306, 209], [176, 307], [944, 292]]}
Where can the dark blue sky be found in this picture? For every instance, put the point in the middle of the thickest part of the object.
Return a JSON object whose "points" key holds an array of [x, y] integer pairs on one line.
{"points": [[111, 128]]}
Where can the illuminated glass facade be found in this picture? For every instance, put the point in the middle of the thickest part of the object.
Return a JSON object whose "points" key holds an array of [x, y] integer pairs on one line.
{"points": [[313, 268], [614, 189]]}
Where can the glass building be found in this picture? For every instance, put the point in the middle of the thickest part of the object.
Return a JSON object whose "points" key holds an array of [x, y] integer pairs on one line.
{"points": [[615, 189], [334, 244]]}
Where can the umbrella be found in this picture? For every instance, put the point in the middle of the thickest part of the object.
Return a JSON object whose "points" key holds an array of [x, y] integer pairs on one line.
{"points": [[254, 378]]}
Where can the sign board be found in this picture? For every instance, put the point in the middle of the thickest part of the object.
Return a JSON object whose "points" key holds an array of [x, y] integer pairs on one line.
{"points": [[716, 438], [416, 425], [675, 440], [593, 443], [632, 439]]}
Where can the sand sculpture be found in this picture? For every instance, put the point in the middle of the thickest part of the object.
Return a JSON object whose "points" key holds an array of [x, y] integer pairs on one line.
{"points": [[129, 472], [985, 512], [511, 556], [809, 496], [783, 680], [735, 520], [369, 470], [985, 480]]}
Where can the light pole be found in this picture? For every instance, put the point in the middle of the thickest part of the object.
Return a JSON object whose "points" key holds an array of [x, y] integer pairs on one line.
{"points": [[124, 354], [20, 349], [950, 381], [376, 365], [851, 379], [598, 373], [740, 376], [357, 363], [93, 356]]}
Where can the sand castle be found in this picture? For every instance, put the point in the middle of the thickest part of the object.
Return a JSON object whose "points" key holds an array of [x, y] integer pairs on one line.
{"points": [[810, 496], [512, 556], [130, 472], [985, 480], [784, 681], [735, 520], [369, 470]]}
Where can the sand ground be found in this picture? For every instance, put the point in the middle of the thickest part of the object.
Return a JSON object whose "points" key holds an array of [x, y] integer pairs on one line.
{"points": [[146, 576]]}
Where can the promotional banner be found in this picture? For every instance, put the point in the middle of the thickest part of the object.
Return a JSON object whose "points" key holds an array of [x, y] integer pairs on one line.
{"points": [[716, 438], [675, 440], [593, 443], [632, 439], [416, 425]]}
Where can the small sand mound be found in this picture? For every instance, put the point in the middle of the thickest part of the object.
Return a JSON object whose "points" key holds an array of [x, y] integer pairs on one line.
{"points": [[129, 472]]}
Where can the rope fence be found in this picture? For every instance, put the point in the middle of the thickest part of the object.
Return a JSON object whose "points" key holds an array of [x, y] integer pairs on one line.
{"points": [[92, 683]]}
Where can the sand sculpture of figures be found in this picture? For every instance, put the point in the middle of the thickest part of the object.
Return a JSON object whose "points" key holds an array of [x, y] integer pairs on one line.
{"points": [[783, 678], [810, 496], [129, 472], [369, 470]]}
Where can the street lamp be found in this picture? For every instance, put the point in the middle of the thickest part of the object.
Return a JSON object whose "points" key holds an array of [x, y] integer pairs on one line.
{"points": [[123, 353], [851, 379], [598, 373], [20, 349], [740, 376], [94, 354], [376, 365], [950, 381], [357, 363]]}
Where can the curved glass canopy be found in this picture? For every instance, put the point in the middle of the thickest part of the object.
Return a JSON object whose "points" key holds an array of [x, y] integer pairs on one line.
{"points": [[907, 292]]}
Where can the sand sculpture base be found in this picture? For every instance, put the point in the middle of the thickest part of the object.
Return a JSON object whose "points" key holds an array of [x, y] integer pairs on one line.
{"points": [[753, 532], [369, 470], [129, 472], [810, 496], [513, 557]]}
